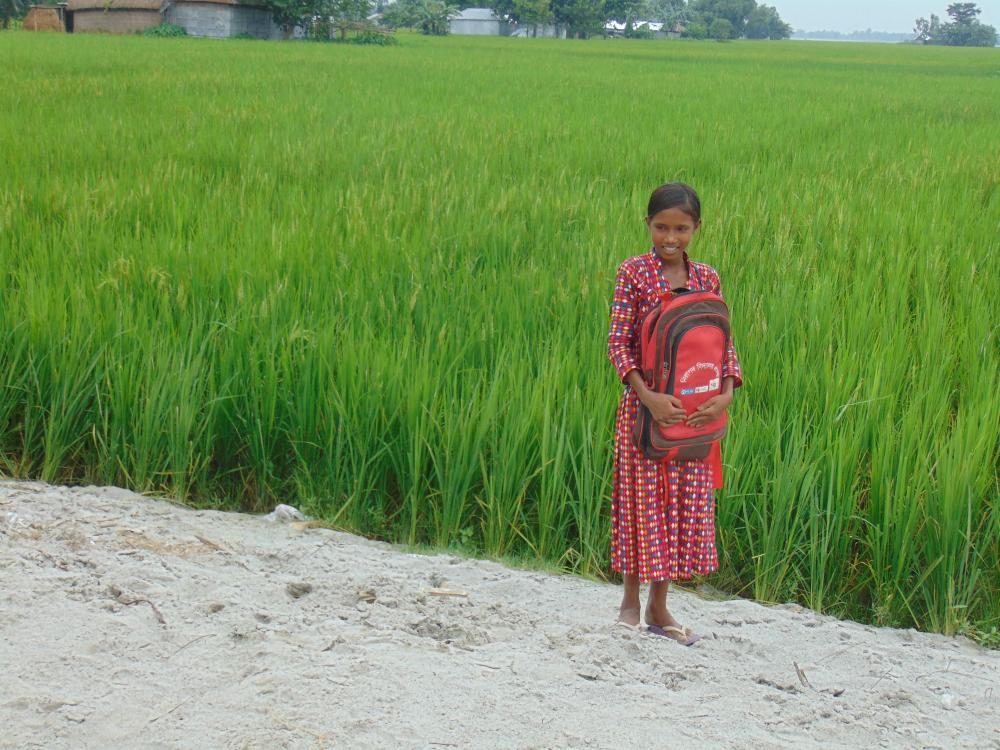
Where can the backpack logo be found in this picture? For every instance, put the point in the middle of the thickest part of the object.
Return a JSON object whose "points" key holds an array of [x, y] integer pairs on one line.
{"points": [[713, 385], [700, 369]]}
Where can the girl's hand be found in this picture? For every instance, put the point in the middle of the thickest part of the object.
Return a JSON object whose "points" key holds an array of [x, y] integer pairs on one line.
{"points": [[710, 410], [666, 409]]}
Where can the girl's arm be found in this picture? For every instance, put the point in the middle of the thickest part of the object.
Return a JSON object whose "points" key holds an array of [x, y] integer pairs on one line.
{"points": [[712, 409], [622, 334], [732, 378], [731, 369], [666, 409]]}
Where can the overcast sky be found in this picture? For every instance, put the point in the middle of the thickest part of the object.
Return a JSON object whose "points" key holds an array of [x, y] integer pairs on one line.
{"points": [[879, 15]]}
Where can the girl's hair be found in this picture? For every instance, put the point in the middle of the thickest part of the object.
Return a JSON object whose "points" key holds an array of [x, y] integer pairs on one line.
{"points": [[675, 195]]}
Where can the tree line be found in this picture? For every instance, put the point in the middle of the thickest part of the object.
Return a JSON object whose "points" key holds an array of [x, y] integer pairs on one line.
{"points": [[964, 29], [699, 19]]}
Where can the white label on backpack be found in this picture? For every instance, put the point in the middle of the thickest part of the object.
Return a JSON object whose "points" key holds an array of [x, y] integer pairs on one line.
{"points": [[713, 384], [701, 366]]}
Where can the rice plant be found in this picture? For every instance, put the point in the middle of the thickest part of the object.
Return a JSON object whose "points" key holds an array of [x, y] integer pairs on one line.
{"points": [[375, 283]]}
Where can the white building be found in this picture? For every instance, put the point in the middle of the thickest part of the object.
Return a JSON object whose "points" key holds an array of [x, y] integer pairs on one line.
{"points": [[659, 30], [478, 22]]}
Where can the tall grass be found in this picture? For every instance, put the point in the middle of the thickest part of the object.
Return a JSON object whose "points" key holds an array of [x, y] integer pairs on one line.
{"points": [[375, 282]]}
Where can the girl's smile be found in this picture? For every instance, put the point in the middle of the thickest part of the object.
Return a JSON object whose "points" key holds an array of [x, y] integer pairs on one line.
{"points": [[671, 231]]}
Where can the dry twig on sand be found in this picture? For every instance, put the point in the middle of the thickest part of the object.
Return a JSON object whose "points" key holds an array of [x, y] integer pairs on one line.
{"points": [[157, 718], [448, 592], [122, 598], [802, 675]]}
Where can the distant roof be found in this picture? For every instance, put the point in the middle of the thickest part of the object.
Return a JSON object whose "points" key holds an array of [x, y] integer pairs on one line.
{"points": [[653, 26], [159, 5], [113, 4], [476, 14]]}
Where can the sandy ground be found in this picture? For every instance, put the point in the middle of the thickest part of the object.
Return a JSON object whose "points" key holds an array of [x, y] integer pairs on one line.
{"points": [[127, 622]]}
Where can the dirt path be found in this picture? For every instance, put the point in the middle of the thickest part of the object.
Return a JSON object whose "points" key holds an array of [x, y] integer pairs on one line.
{"points": [[127, 622]]}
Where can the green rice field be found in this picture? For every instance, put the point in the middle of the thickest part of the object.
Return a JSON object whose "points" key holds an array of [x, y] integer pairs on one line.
{"points": [[375, 283]]}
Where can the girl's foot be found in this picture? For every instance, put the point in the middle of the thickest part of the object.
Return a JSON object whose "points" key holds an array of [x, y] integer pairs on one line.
{"points": [[629, 616], [661, 622], [660, 617]]}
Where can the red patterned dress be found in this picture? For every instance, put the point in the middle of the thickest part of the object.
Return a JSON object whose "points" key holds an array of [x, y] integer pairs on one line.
{"points": [[662, 522]]}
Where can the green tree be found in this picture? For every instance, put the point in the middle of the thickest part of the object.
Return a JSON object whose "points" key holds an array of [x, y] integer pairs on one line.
{"points": [[984, 36], [429, 17], [737, 12], [721, 28], [927, 31], [670, 12], [502, 8], [765, 23], [988, 36], [9, 10], [346, 13], [582, 18], [964, 13], [969, 35], [965, 30], [401, 14], [288, 14], [532, 12], [696, 30], [319, 16]]}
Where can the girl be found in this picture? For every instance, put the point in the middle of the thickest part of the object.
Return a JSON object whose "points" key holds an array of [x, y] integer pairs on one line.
{"points": [[663, 522]]}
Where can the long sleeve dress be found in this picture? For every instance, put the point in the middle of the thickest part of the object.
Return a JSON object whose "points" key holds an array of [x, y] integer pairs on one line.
{"points": [[662, 521]]}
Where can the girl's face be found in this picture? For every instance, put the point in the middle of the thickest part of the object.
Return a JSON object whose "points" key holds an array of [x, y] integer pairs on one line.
{"points": [[671, 231]]}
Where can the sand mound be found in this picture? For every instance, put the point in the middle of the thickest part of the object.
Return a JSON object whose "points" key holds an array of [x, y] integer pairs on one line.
{"points": [[130, 622]]}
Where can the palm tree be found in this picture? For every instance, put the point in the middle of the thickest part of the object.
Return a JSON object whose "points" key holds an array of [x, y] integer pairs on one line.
{"points": [[433, 16]]}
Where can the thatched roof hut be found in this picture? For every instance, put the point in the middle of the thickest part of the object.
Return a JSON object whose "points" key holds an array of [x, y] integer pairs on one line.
{"points": [[213, 18], [44, 18], [115, 16]]}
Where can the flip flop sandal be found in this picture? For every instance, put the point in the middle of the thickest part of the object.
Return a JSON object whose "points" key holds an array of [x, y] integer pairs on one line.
{"points": [[634, 628], [683, 636]]}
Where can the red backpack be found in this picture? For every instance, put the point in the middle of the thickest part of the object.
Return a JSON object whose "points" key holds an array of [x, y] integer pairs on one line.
{"points": [[682, 347]]}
